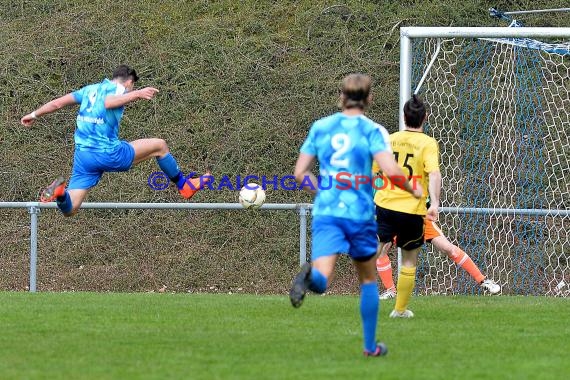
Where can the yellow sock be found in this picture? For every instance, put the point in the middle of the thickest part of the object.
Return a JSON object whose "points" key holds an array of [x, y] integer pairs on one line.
{"points": [[405, 287]]}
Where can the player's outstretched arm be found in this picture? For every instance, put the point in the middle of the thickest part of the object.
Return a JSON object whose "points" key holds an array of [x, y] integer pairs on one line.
{"points": [[116, 101], [52, 106], [303, 172], [390, 168], [434, 188]]}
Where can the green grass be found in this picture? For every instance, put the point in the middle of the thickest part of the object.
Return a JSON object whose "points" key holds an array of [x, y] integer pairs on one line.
{"points": [[203, 336]]}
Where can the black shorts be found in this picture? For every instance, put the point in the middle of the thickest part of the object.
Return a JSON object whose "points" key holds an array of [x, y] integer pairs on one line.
{"points": [[408, 229]]}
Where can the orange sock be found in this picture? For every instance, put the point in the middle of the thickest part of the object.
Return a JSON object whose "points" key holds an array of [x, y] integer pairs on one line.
{"points": [[464, 261], [384, 268]]}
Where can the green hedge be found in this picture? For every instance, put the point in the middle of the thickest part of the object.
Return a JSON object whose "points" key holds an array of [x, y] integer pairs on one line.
{"points": [[240, 83]]}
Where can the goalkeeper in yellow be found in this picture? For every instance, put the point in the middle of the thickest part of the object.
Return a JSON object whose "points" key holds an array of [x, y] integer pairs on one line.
{"points": [[398, 214]]}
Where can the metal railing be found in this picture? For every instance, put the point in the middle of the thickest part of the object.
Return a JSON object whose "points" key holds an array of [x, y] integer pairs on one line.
{"points": [[34, 208], [303, 210]]}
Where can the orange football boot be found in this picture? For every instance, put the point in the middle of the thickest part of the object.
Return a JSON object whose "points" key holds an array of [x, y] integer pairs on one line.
{"points": [[193, 185], [53, 191]]}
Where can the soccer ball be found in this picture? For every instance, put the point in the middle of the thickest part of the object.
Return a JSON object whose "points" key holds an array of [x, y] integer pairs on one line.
{"points": [[251, 196]]}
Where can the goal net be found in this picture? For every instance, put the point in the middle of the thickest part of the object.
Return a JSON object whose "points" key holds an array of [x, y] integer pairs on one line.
{"points": [[500, 110]]}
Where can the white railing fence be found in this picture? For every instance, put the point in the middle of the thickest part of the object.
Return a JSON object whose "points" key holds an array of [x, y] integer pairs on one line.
{"points": [[303, 210], [34, 209]]}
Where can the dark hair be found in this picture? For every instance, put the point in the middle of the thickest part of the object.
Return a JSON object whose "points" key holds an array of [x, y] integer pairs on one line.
{"points": [[355, 90], [414, 112], [124, 73]]}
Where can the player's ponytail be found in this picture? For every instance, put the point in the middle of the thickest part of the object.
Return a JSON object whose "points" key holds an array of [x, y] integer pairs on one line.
{"points": [[414, 112], [355, 91]]}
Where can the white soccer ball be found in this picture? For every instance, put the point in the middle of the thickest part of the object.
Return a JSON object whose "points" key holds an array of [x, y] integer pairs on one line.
{"points": [[252, 196]]}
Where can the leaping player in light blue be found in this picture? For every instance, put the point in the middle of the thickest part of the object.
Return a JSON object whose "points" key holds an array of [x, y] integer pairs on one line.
{"points": [[345, 143], [98, 148]]}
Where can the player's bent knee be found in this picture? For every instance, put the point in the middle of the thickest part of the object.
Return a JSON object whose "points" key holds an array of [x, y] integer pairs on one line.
{"points": [[453, 252], [161, 147]]}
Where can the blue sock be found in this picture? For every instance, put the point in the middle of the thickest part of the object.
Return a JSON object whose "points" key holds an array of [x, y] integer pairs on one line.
{"points": [[369, 306], [170, 167], [180, 180], [64, 203], [318, 282]]}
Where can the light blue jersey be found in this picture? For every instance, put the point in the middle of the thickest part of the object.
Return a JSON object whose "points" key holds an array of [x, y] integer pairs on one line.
{"points": [[344, 146], [97, 127]]}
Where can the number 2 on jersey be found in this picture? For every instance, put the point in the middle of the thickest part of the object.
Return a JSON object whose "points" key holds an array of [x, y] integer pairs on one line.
{"points": [[341, 144]]}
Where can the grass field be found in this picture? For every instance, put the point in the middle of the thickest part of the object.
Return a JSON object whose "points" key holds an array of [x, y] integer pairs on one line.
{"points": [[222, 336]]}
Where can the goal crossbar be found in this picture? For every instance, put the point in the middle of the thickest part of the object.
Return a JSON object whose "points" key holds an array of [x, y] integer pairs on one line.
{"points": [[483, 32]]}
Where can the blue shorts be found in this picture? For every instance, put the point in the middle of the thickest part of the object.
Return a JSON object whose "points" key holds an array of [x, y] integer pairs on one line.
{"points": [[332, 235], [88, 167]]}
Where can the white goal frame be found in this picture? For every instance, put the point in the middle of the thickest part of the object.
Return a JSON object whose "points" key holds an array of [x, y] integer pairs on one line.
{"points": [[407, 37]]}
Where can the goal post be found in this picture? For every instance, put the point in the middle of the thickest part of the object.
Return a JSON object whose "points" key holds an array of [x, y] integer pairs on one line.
{"points": [[499, 106]]}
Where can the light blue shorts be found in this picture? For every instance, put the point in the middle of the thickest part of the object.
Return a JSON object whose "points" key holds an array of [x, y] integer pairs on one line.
{"points": [[88, 167], [332, 235]]}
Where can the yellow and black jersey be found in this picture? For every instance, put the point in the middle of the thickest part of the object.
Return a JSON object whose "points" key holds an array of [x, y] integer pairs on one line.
{"points": [[418, 155]]}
